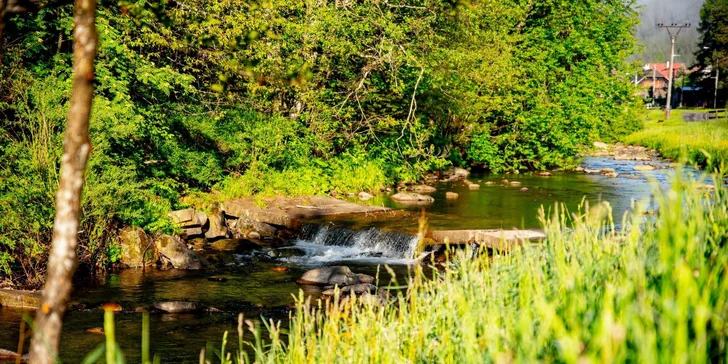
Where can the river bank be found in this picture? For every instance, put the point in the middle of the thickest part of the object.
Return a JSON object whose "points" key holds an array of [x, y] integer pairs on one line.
{"points": [[260, 281], [702, 143]]}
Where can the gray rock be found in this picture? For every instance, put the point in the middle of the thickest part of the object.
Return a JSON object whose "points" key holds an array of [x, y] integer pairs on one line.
{"points": [[365, 278], [177, 253], [265, 230], [343, 279], [601, 146], [177, 306], [408, 197], [644, 167], [423, 189], [137, 248], [202, 218], [218, 229], [365, 196], [185, 218], [321, 276], [359, 288]]}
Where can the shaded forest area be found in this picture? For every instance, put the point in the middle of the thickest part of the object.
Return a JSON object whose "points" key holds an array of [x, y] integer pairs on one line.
{"points": [[199, 100]]}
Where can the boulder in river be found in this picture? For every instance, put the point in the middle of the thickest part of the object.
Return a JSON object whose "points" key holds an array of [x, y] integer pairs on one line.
{"points": [[473, 186], [177, 306], [451, 196], [644, 168], [423, 189], [176, 253], [137, 248], [218, 228], [365, 278], [601, 145], [263, 229], [188, 220], [322, 276], [543, 174], [364, 196], [409, 197], [607, 170]]}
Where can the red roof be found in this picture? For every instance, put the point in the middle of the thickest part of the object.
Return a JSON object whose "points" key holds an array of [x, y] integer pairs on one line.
{"points": [[664, 70]]}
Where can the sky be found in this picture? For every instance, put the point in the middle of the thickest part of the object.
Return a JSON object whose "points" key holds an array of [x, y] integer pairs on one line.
{"points": [[656, 41]]}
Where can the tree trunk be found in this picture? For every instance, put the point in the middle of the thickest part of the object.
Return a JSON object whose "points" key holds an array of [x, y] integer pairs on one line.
{"points": [[76, 148]]}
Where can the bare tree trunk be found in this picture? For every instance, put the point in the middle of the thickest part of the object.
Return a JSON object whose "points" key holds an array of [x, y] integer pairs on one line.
{"points": [[63, 260]]}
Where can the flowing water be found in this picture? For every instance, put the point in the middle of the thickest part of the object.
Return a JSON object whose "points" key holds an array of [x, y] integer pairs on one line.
{"points": [[255, 288]]}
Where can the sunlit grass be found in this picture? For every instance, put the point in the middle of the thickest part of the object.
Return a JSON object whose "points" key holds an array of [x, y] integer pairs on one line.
{"points": [[702, 143]]}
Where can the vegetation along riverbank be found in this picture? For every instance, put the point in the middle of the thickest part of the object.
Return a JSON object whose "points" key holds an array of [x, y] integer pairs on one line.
{"points": [[702, 143], [287, 98]]}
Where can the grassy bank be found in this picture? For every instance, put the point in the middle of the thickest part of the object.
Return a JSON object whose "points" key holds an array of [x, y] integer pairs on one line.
{"points": [[654, 291], [704, 143]]}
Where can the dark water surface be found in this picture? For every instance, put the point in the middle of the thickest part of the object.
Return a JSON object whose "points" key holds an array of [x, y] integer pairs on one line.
{"points": [[257, 290]]}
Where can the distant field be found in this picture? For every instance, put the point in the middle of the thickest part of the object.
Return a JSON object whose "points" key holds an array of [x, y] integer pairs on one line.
{"points": [[702, 143]]}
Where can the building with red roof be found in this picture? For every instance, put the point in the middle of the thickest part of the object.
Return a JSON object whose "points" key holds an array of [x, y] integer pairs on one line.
{"points": [[655, 77]]}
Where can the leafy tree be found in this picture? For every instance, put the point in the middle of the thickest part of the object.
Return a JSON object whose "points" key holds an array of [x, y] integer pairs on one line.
{"points": [[713, 50]]}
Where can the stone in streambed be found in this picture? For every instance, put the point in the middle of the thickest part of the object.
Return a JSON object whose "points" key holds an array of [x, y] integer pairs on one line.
{"points": [[451, 196], [364, 196], [365, 278], [217, 227], [644, 168], [177, 254], [322, 276], [137, 248], [409, 197], [423, 189], [177, 306]]}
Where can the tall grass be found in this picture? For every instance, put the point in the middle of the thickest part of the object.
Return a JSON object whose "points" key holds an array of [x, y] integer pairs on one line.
{"points": [[654, 291], [702, 143]]}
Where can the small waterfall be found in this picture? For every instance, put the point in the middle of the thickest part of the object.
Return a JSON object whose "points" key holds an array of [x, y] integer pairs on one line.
{"points": [[327, 243]]}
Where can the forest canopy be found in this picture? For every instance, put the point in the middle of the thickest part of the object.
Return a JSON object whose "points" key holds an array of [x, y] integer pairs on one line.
{"points": [[221, 99]]}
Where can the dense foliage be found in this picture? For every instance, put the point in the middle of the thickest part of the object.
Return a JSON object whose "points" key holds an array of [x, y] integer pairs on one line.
{"points": [[298, 97], [713, 45]]}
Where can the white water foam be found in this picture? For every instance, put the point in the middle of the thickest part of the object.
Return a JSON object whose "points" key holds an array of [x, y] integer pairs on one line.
{"points": [[324, 244]]}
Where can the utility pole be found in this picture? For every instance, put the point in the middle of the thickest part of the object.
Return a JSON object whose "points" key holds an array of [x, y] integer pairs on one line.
{"points": [[715, 94], [654, 83], [670, 28]]}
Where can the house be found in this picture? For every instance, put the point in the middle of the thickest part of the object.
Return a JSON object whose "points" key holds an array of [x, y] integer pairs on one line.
{"points": [[654, 78]]}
